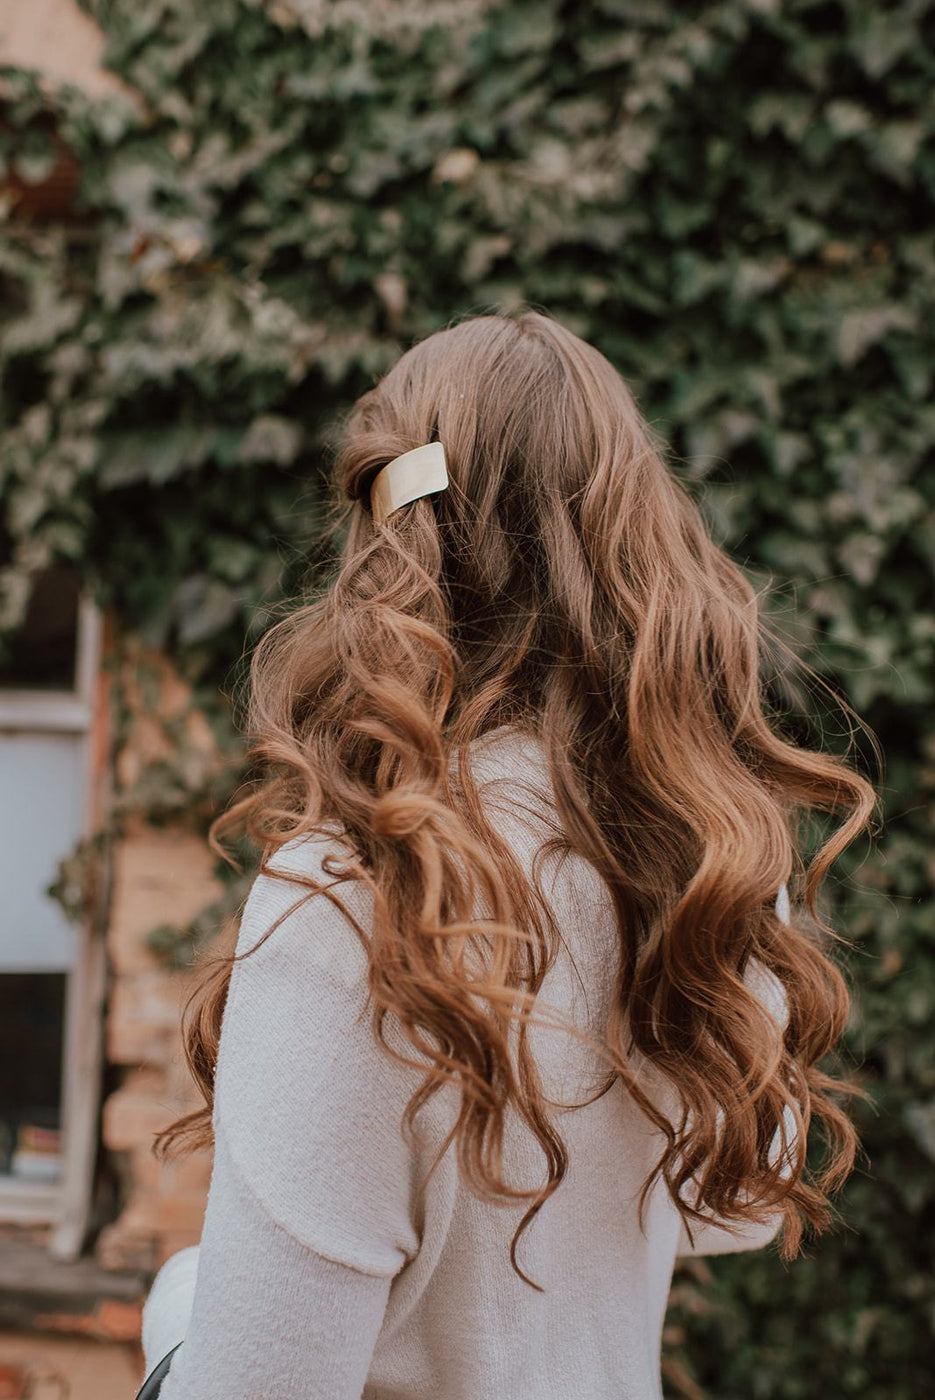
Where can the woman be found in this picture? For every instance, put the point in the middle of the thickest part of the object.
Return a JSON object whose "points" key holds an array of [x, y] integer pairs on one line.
{"points": [[515, 1018]]}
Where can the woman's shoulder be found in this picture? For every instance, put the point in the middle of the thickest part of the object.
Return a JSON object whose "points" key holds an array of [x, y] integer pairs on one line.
{"points": [[303, 915]]}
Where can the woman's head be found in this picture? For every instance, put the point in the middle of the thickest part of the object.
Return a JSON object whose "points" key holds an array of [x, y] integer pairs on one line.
{"points": [[564, 581], [559, 518]]}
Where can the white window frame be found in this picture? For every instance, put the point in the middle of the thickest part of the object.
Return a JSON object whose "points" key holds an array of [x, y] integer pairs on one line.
{"points": [[65, 1203]]}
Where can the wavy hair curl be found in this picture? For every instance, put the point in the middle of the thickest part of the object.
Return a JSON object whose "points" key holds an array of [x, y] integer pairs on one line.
{"points": [[564, 582]]}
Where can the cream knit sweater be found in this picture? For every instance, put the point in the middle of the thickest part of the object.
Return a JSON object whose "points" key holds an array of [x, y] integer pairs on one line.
{"points": [[323, 1272]]}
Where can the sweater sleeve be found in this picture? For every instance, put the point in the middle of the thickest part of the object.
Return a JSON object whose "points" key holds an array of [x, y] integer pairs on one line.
{"points": [[712, 1237], [315, 1197], [270, 1318], [309, 1103]]}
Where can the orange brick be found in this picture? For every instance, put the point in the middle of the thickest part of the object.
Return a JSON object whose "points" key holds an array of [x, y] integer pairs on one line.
{"points": [[189, 1173], [151, 1216], [111, 1321], [144, 1025], [181, 1085], [135, 1112], [117, 1321], [146, 1173], [173, 1241], [161, 876], [13, 1383], [119, 1248]]}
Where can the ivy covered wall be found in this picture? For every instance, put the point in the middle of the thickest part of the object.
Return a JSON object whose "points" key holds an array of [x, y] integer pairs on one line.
{"points": [[734, 201]]}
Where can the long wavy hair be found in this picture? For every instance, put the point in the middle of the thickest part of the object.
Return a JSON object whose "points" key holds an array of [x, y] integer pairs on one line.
{"points": [[565, 583]]}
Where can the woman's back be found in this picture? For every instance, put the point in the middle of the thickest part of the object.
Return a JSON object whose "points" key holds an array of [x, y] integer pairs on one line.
{"points": [[594, 1331], [307, 1122]]}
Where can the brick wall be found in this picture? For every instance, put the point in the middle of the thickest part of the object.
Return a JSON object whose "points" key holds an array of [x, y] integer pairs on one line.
{"points": [[161, 875]]}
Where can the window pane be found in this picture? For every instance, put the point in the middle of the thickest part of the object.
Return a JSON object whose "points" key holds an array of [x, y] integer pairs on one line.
{"points": [[42, 809], [42, 653], [32, 1014]]}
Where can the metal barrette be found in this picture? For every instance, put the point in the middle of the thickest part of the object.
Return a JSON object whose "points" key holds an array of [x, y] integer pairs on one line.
{"points": [[419, 472]]}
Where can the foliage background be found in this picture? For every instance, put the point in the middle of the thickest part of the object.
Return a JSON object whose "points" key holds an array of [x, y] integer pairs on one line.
{"points": [[734, 201]]}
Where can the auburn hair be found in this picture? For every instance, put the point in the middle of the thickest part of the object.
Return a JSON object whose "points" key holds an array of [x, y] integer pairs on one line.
{"points": [[564, 582]]}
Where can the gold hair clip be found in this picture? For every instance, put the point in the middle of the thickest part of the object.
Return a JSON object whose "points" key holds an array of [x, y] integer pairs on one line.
{"points": [[409, 476]]}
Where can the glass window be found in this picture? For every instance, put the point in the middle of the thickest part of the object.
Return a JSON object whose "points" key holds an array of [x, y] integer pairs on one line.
{"points": [[42, 654], [32, 1009]]}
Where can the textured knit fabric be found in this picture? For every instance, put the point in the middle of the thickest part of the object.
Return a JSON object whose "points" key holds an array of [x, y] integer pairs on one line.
{"points": [[167, 1313], [325, 1272]]}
